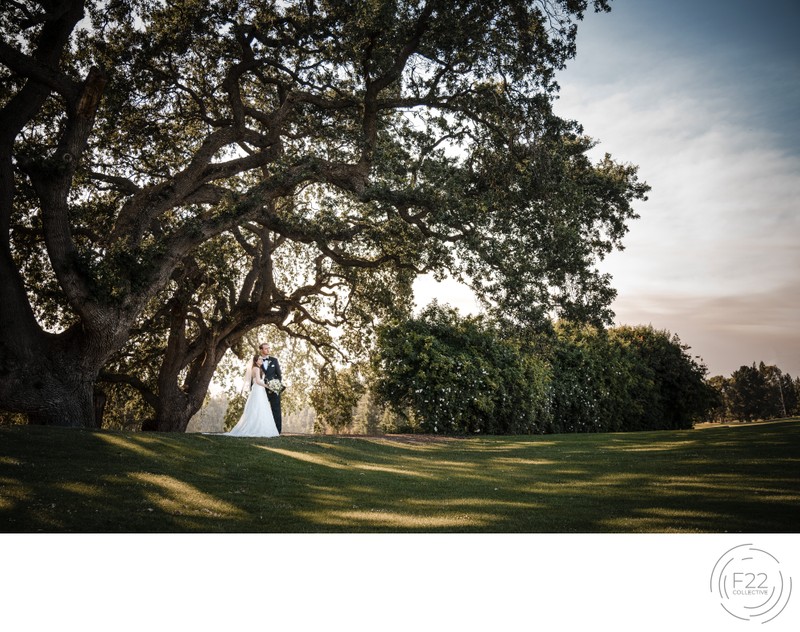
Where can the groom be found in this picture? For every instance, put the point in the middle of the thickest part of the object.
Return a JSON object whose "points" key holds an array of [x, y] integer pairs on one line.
{"points": [[272, 371]]}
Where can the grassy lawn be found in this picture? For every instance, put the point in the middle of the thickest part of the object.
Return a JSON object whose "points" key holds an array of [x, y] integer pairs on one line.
{"points": [[738, 478]]}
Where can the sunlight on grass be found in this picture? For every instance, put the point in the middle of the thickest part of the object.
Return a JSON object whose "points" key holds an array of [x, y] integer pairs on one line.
{"points": [[660, 447], [661, 512], [579, 486], [128, 444], [50, 515], [415, 443], [13, 491], [743, 479], [663, 520], [568, 472], [79, 488], [490, 505], [174, 496], [330, 495], [738, 485], [6, 503], [306, 458], [514, 461], [394, 470], [379, 518], [491, 445]]}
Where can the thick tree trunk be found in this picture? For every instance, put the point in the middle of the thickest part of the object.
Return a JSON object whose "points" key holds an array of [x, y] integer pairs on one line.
{"points": [[50, 389], [100, 399], [51, 377], [63, 401], [176, 409], [180, 399]]}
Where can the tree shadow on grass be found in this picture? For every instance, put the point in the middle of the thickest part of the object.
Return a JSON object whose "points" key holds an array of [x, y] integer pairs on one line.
{"points": [[58, 480]]}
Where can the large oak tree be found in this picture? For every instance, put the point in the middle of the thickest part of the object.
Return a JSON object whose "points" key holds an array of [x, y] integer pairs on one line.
{"points": [[230, 286], [414, 135]]}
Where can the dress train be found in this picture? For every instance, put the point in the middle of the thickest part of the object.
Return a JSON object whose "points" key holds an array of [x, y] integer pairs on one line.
{"points": [[257, 419]]}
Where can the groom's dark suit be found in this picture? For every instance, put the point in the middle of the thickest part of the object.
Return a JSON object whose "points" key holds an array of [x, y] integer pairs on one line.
{"points": [[272, 371]]}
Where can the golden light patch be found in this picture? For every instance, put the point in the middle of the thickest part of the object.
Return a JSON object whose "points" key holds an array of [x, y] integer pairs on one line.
{"points": [[507, 460], [174, 496], [79, 488], [314, 459], [393, 470], [395, 520], [659, 447], [128, 444]]}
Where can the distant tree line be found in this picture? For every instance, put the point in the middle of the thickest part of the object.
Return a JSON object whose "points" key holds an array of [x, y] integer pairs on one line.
{"points": [[755, 392], [443, 373]]}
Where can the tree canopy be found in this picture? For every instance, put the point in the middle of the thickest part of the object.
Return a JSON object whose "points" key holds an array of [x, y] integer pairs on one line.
{"points": [[371, 141]]}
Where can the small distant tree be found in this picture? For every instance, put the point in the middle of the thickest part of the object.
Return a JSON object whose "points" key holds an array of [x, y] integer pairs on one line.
{"points": [[755, 392], [335, 398], [784, 388], [368, 417], [719, 410], [775, 397], [748, 394]]}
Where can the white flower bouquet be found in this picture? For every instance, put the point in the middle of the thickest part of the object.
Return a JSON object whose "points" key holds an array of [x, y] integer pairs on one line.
{"points": [[275, 386]]}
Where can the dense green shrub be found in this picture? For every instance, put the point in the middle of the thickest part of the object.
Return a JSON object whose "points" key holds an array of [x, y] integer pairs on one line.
{"points": [[625, 378], [448, 374], [588, 381], [459, 375], [677, 393]]}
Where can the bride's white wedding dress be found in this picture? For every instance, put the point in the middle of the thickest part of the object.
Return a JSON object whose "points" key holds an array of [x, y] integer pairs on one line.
{"points": [[256, 420]]}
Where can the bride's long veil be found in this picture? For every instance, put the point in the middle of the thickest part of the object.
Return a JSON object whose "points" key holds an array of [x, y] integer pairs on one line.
{"points": [[247, 379]]}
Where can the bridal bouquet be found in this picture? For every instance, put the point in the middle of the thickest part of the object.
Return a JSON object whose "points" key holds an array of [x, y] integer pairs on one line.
{"points": [[275, 386]]}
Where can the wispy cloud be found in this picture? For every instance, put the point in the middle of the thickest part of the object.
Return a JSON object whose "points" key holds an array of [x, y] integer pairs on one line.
{"points": [[716, 253]]}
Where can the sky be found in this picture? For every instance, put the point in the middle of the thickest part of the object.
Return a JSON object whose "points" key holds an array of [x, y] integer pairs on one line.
{"points": [[704, 96]]}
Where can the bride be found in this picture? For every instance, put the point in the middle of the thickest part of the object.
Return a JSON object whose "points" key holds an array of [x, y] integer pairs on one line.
{"points": [[256, 420]]}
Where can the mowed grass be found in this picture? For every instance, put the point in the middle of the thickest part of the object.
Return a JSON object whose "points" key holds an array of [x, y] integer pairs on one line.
{"points": [[738, 478]]}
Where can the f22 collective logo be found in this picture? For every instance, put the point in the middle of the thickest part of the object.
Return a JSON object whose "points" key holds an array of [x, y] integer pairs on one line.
{"points": [[751, 584]]}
